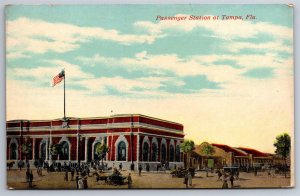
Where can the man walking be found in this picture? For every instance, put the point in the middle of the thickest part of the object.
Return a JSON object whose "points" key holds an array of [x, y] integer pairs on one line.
{"points": [[140, 169], [190, 179], [129, 179], [185, 181]]}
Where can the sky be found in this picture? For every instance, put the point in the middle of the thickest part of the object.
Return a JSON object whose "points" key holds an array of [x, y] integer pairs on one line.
{"points": [[226, 81]]}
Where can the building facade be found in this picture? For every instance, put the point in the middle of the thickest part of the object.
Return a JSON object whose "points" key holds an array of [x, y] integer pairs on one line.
{"points": [[132, 138], [225, 155]]}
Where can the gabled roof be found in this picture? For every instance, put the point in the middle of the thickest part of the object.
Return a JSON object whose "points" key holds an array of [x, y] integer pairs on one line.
{"points": [[230, 149], [254, 152]]}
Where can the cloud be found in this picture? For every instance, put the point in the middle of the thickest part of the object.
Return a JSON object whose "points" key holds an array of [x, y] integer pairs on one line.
{"points": [[45, 74], [37, 36], [268, 46], [259, 73]]}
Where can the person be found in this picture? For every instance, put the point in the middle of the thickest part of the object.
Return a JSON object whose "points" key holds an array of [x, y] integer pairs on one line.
{"points": [[66, 176], [27, 175], [85, 183], [185, 181], [157, 167], [20, 164], [219, 174], [225, 184], [237, 174], [120, 166], [148, 167], [72, 174], [132, 167], [30, 179], [140, 169], [190, 178], [231, 180], [77, 182], [129, 179], [80, 183]]}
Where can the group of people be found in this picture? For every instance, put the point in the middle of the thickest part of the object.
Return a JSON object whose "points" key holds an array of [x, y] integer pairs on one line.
{"points": [[231, 176], [188, 180]]}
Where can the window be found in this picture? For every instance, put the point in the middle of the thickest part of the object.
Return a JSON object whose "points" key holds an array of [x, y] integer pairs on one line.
{"points": [[163, 153], [177, 154], [13, 151], [64, 154], [154, 152], [146, 151], [121, 151], [172, 153]]}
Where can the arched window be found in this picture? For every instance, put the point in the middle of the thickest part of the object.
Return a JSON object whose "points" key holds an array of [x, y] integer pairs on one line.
{"points": [[64, 154], [154, 152], [177, 153], [13, 151], [96, 146], [121, 151], [172, 153], [146, 151], [163, 152], [43, 151]]}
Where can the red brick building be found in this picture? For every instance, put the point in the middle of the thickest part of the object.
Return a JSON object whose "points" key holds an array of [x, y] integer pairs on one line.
{"points": [[132, 138]]}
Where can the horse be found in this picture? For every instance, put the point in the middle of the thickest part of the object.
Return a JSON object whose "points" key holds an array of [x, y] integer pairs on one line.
{"points": [[10, 164]]}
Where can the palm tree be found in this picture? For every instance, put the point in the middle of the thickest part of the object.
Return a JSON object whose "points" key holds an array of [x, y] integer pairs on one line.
{"points": [[187, 147], [207, 150], [26, 149], [101, 151]]}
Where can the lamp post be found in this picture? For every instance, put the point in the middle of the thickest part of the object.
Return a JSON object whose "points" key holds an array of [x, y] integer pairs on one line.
{"points": [[78, 148]]}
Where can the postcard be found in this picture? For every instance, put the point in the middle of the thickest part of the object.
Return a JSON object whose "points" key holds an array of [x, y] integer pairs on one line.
{"points": [[183, 96]]}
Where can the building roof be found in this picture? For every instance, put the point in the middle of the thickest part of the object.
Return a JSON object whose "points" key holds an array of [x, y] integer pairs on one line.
{"points": [[227, 148], [254, 152]]}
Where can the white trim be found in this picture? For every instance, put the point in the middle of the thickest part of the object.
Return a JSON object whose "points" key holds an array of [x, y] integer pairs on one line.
{"points": [[99, 126], [146, 139], [120, 139], [93, 135], [65, 139], [15, 141]]}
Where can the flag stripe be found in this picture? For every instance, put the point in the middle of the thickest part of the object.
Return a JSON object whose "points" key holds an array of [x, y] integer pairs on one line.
{"points": [[57, 79]]}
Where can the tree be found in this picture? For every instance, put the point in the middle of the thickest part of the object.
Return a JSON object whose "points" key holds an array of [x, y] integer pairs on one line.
{"points": [[207, 150], [283, 147], [187, 147], [101, 150], [55, 149], [26, 149]]}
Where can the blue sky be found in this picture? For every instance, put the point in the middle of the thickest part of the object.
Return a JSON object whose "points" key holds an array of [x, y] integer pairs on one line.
{"points": [[121, 52]]}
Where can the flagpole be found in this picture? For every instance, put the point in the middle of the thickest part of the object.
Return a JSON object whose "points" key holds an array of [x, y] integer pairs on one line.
{"points": [[64, 95]]}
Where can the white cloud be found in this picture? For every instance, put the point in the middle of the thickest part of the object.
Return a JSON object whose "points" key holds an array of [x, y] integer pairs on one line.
{"points": [[45, 74], [37, 36], [268, 46], [16, 55]]}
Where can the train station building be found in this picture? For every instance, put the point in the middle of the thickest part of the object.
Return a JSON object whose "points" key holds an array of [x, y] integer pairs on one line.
{"points": [[131, 138]]}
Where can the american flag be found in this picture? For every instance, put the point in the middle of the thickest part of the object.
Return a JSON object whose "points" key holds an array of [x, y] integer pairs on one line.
{"points": [[57, 79]]}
